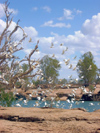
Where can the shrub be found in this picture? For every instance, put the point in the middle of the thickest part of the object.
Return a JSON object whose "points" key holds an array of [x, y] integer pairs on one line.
{"points": [[6, 98], [91, 87]]}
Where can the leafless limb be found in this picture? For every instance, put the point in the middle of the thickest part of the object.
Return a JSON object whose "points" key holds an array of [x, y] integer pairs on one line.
{"points": [[10, 65]]}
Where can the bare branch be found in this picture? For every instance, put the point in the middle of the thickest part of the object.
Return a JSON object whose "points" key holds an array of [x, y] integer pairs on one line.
{"points": [[8, 64]]}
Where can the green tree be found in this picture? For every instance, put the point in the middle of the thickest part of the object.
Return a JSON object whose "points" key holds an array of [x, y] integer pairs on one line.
{"points": [[6, 98], [86, 68], [25, 67], [63, 81], [98, 76], [50, 68]]}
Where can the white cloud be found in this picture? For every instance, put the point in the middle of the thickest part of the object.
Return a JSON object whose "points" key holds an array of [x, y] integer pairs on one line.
{"points": [[47, 8], [33, 34], [2, 25], [31, 31], [92, 27], [59, 25], [17, 34], [10, 10], [49, 23], [34, 8], [87, 39], [13, 11], [1, 11], [78, 11], [67, 14]]}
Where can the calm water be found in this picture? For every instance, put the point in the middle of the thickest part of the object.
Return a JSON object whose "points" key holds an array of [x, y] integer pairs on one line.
{"points": [[90, 106]]}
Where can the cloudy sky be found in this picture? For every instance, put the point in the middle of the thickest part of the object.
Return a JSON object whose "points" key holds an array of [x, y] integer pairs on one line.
{"points": [[73, 23]]}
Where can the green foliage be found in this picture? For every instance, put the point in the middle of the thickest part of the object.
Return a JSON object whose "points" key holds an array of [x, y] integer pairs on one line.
{"points": [[91, 87], [98, 81], [36, 83], [18, 84], [25, 67], [6, 99], [63, 81], [50, 68], [87, 68], [98, 77]]}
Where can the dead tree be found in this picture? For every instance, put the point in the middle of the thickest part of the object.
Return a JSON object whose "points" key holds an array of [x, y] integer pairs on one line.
{"points": [[10, 68]]}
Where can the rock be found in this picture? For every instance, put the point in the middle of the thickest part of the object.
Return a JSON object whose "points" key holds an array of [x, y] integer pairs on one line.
{"points": [[78, 97], [59, 92], [20, 95], [93, 97], [62, 95], [63, 98], [48, 120]]}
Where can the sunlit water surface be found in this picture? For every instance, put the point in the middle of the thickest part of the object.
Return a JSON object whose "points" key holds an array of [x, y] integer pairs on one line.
{"points": [[90, 106]]}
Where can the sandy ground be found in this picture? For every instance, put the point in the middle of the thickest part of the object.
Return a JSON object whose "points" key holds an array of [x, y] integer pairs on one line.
{"points": [[36, 120]]}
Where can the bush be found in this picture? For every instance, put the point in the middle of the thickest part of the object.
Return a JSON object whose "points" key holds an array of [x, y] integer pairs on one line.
{"points": [[91, 88], [6, 99], [36, 83]]}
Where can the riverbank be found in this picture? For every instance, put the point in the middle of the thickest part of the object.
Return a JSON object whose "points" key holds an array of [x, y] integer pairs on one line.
{"points": [[46, 120], [59, 92]]}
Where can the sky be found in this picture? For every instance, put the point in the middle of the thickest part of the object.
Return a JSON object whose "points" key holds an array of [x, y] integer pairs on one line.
{"points": [[73, 23]]}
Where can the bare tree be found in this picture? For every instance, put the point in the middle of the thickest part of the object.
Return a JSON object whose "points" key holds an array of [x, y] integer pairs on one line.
{"points": [[10, 68]]}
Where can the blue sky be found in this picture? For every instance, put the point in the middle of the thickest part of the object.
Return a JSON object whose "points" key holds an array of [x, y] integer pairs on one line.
{"points": [[31, 13], [75, 23]]}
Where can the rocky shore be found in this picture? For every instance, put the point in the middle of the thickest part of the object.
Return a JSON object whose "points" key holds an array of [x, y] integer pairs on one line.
{"points": [[63, 93], [48, 120]]}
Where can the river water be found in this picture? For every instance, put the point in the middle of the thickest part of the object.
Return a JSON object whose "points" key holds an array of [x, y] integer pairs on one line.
{"points": [[90, 106]]}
